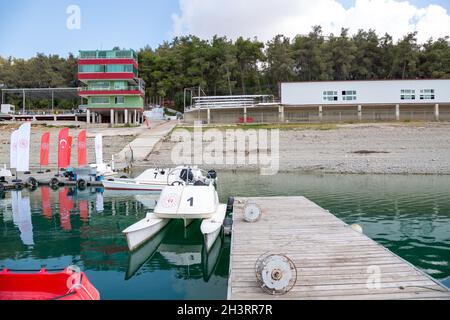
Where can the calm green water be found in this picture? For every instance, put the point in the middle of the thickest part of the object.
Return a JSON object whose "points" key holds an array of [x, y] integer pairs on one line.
{"points": [[408, 214]]}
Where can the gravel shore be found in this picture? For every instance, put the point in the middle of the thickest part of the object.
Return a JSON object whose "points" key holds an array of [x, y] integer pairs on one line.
{"points": [[382, 148]]}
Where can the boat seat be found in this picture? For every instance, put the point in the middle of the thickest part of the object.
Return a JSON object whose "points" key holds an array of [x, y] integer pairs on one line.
{"points": [[186, 175]]}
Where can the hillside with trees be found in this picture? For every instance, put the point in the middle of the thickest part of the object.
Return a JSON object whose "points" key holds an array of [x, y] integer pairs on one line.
{"points": [[247, 66]]}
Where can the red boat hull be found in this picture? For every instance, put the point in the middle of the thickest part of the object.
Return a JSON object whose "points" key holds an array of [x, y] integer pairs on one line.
{"points": [[44, 285]]}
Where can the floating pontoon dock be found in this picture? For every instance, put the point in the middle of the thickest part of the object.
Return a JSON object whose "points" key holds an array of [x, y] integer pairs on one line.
{"points": [[333, 261], [42, 179]]}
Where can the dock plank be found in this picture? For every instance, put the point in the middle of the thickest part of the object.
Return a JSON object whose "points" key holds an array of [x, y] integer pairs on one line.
{"points": [[332, 260]]}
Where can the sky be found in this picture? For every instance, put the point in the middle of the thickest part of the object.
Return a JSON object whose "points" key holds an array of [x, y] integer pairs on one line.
{"points": [[67, 26]]}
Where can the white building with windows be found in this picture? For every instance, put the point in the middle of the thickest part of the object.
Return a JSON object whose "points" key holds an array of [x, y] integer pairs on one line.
{"points": [[373, 100], [333, 101], [366, 92]]}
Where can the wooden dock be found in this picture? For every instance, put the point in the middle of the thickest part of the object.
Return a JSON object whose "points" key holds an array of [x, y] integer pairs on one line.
{"points": [[333, 261]]}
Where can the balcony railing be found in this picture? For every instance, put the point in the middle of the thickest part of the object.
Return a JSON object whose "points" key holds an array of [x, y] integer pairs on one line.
{"points": [[129, 88], [108, 54]]}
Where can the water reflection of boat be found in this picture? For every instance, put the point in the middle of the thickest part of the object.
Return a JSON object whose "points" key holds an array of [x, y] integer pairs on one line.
{"points": [[21, 210], [99, 195], [173, 248], [4, 207], [144, 253], [148, 200]]}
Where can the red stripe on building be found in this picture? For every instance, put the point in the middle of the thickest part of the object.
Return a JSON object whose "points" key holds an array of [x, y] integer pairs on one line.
{"points": [[106, 76], [110, 92], [108, 61]]}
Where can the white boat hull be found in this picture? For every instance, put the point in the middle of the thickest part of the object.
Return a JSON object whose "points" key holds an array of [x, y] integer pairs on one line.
{"points": [[211, 227], [131, 185], [140, 232]]}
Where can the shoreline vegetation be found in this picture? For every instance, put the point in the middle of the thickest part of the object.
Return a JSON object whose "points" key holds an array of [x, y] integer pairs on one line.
{"points": [[221, 66]]}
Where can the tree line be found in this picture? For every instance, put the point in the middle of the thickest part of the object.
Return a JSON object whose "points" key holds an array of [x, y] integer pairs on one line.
{"points": [[221, 66]]}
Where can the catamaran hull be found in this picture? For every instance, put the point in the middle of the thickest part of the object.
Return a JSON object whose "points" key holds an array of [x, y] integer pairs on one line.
{"points": [[144, 230], [211, 227]]}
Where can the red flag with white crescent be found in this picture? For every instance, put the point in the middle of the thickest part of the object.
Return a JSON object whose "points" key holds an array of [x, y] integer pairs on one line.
{"points": [[69, 152], [45, 148], [82, 154], [63, 149]]}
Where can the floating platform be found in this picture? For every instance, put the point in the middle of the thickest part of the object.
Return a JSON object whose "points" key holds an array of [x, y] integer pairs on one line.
{"points": [[332, 260], [43, 179]]}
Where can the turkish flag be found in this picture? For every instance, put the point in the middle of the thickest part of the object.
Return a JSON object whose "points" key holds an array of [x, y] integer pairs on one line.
{"points": [[82, 156], [45, 148], [69, 152], [63, 148]]}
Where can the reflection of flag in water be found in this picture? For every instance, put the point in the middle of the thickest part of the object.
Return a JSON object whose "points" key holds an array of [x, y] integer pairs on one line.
{"points": [[65, 205], [46, 203], [84, 212], [99, 202], [22, 217]]}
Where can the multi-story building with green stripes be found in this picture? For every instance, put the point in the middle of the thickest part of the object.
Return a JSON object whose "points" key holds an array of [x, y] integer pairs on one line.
{"points": [[111, 87]]}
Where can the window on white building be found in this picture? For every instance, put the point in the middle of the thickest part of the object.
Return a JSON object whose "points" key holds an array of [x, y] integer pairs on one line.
{"points": [[349, 95], [427, 94], [330, 96], [408, 94]]}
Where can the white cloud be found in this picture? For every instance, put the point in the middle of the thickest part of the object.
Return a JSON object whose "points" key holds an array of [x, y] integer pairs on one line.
{"points": [[266, 18]]}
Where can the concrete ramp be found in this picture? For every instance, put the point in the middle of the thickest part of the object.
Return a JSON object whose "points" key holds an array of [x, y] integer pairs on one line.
{"points": [[144, 143]]}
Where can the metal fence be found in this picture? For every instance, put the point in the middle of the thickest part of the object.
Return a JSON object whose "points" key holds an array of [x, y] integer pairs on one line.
{"points": [[272, 115]]}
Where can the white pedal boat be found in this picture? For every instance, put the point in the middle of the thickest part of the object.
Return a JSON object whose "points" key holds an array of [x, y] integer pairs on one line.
{"points": [[155, 179], [186, 202], [5, 173], [104, 169]]}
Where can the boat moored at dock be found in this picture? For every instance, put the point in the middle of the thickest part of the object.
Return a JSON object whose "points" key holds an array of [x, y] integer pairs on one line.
{"points": [[155, 179], [187, 202]]}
